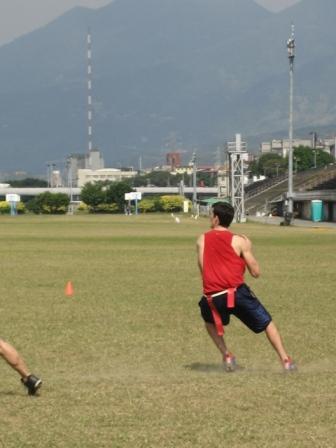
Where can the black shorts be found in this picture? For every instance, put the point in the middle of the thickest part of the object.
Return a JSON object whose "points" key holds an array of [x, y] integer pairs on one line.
{"points": [[247, 308]]}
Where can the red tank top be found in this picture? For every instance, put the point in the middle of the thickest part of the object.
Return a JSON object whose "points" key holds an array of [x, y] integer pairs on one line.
{"points": [[222, 267]]}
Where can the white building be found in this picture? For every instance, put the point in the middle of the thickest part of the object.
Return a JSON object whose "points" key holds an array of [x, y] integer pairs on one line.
{"points": [[55, 179], [281, 147], [94, 160], [106, 174]]}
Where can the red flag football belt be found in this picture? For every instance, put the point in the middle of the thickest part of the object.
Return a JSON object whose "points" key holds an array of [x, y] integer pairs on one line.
{"points": [[230, 303]]}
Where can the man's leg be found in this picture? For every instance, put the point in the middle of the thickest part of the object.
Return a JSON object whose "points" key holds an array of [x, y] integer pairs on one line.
{"points": [[12, 357], [274, 337], [218, 340], [228, 358]]}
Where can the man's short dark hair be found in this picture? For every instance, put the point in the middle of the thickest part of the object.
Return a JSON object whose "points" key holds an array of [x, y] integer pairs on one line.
{"points": [[224, 212]]}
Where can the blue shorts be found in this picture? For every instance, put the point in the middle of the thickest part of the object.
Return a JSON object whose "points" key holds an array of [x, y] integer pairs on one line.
{"points": [[247, 308]]}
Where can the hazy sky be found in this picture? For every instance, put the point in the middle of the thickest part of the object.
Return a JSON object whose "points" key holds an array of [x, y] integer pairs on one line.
{"points": [[19, 17], [276, 5]]}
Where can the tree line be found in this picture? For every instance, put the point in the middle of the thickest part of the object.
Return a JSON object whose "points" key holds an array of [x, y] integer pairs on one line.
{"points": [[98, 197], [304, 158]]}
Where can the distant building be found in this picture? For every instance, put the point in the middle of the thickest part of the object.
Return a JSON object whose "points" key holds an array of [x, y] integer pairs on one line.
{"points": [[93, 160], [281, 147], [330, 146], [173, 159], [106, 174], [55, 179], [75, 162], [184, 170]]}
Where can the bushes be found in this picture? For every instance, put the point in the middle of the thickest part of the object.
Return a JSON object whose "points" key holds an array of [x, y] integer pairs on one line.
{"points": [[168, 203], [149, 205], [5, 208], [107, 208], [49, 203], [172, 203], [96, 198]]}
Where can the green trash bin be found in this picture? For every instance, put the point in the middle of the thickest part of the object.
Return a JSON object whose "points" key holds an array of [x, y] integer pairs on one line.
{"points": [[316, 210]]}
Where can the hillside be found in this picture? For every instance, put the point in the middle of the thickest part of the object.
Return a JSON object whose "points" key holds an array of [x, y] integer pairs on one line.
{"points": [[190, 73]]}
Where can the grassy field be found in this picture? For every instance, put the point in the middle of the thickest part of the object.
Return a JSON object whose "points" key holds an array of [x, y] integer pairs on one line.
{"points": [[126, 361]]}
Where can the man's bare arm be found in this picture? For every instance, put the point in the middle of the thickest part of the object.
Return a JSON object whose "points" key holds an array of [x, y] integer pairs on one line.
{"points": [[247, 254], [200, 250]]}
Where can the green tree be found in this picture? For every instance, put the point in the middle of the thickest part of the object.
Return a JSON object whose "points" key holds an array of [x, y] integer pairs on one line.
{"points": [[115, 193], [49, 203], [105, 197], [206, 178], [304, 158], [269, 165], [28, 182], [160, 179], [94, 195]]}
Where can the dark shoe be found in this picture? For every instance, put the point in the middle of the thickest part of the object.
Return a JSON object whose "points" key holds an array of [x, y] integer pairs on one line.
{"points": [[32, 383]]}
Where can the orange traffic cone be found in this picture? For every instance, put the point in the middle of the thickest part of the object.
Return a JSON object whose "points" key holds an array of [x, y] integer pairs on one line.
{"points": [[69, 291]]}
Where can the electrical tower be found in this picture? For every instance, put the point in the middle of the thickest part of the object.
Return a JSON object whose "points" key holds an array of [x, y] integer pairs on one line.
{"points": [[237, 154], [89, 88]]}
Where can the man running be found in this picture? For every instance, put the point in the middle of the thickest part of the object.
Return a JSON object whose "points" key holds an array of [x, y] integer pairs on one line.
{"points": [[222, 259], [12, 357]]}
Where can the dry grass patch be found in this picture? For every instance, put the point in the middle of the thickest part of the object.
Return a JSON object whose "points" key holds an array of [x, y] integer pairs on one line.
{"points": [[126, 361]]}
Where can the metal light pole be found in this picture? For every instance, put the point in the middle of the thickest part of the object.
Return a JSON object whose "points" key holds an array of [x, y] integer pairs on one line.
{"points": [[48, 175], [314, 134], [291, 56], [194, 198], [70, 185]]}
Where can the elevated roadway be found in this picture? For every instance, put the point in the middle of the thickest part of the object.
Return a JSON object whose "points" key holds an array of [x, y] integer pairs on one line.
{"points": [[75, 192]]}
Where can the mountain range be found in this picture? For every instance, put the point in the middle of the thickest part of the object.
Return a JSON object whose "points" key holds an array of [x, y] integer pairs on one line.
{"points": [[185, 74]]}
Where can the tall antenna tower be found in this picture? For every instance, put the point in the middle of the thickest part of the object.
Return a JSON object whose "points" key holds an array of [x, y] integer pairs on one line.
{"points": [[89, 88]]}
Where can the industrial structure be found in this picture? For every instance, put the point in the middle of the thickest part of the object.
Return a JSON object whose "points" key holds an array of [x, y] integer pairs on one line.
{"points": [[237, 155]]}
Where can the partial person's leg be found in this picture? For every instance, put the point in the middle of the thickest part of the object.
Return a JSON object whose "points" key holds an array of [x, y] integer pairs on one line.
{"points": [[12, 357], [218, 340], [255, 316], [274, 337], [228, 358]]}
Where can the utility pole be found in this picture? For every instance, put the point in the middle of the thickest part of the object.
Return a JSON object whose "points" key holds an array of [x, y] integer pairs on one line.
{"points": [[70, 185], [48, 175], [194, 198], [314, 134], [291, 57]]}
